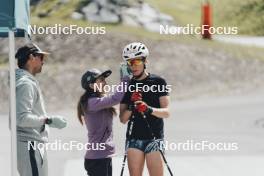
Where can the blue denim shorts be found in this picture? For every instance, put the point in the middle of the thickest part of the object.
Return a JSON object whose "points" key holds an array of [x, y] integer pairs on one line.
{"points": [[146, 146]]}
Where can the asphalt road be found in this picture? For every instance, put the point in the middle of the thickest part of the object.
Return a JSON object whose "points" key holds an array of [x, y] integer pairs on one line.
{"points": [[233, 119]]}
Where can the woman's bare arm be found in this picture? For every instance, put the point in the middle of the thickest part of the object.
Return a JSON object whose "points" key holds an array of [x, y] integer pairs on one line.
{"points": [[163, 111], [124, 113]]}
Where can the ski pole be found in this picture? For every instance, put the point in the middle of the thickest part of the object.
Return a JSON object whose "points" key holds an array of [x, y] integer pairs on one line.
{"points": [[127, 145], [137, 96]]}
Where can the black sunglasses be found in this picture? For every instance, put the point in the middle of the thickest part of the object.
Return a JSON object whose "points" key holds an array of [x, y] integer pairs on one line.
{"points": [[41, 56]]}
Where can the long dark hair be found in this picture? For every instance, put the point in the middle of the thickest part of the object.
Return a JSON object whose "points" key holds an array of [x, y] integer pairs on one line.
{"points": [[82, 106]]}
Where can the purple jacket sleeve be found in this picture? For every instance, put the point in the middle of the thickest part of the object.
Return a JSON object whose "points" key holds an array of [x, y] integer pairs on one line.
{"points": [[98, 103]]}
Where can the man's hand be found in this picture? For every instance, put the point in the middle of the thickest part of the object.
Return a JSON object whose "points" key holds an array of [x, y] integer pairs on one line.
{"points": [[57, 122]]}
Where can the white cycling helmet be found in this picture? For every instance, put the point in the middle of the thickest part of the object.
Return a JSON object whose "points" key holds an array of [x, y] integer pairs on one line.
{"points": [[134, 50]]}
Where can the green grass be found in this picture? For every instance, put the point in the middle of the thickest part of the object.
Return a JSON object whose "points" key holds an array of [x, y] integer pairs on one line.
{"points": [[247, 15], [250, 17], [63, 11], [183, 11]]}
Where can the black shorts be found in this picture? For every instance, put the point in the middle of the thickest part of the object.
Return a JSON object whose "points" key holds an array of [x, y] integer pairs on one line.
{"points": [[98, 167], [146, 146]]}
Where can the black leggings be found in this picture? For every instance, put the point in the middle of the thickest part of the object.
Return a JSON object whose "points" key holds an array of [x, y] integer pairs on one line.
{"points": [[98, 167]]}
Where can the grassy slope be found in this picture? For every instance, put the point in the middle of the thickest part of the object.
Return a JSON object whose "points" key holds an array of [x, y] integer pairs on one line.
{"points": [[225, 12], [187, 12], [183, 11], [248, 15]]}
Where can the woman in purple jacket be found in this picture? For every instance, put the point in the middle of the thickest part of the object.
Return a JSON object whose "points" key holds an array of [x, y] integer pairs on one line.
{"points": [[96, 109]]}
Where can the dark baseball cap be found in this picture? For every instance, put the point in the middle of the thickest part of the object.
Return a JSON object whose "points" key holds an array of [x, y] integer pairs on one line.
{"points": [[91, 75], [26, 50]]}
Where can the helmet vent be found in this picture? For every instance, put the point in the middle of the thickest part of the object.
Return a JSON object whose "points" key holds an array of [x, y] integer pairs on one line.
{"points": [[138, 53]]}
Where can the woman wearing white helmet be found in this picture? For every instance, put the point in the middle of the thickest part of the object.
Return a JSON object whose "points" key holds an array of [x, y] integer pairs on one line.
{"points": [[145, 111]]}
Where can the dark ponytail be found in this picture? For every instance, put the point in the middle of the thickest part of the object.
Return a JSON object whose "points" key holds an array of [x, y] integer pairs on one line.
{"points": [[82, 105]]}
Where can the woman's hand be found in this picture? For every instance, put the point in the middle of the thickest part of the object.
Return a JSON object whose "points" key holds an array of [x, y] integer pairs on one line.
{"points": [[125, 72], [142, 107], [162, 112]]}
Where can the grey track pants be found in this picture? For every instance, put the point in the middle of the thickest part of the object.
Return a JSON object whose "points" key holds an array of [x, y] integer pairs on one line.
{"points": [[31, 162]]}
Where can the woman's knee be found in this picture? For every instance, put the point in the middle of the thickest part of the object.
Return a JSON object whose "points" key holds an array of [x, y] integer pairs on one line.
{"points": [[136, 160], [154, 163]]}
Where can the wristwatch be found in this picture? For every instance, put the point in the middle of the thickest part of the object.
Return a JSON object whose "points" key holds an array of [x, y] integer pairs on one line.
{"points": [[48, 121]]}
